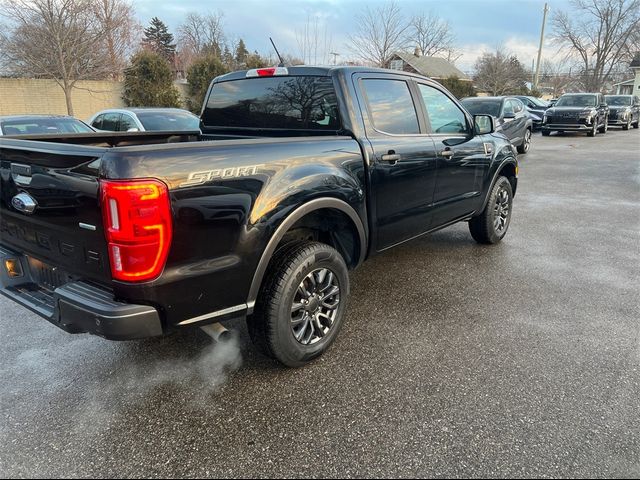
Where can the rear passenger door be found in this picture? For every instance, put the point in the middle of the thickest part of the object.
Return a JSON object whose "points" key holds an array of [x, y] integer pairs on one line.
{"points": [[403, 165], [462, 158]]}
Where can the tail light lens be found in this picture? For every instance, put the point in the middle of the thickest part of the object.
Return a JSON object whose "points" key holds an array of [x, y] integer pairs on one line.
{"points": [[137, 222]]}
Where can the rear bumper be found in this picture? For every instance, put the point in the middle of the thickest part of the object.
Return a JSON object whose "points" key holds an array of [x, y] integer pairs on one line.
{"points": [[77, 306]]}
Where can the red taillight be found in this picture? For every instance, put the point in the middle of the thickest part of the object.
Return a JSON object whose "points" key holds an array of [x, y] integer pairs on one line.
{"points": [[137, 222], [267, 72]]}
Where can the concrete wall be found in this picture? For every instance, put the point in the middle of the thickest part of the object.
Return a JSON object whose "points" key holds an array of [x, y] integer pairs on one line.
{"points": [[27, 95]]}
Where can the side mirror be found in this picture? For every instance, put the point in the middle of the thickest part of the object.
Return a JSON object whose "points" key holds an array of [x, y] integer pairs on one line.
{"points": [[483, 124], [134, 129], [509, 115]]}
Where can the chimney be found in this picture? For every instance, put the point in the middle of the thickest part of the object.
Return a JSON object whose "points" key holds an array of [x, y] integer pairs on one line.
{"points": [[417, 52]]}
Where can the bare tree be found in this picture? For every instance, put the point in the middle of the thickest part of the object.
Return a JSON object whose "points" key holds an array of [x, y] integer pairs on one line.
{"points": [[432, 34], [57, 39], [121, 32], [557, 77], [314, 42], [201, 34], [601, 34], [379, 33], [499, 74]]}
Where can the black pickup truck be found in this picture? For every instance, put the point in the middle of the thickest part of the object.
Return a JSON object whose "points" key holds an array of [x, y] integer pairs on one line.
{"points": [[297, 176]]}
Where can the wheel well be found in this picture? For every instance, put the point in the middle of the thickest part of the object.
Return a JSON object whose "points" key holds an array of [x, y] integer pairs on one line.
{"points": [[509, 171], [330, 226]]}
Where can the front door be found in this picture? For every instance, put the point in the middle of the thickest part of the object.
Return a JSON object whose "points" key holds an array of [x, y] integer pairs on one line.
{"points": [[463, 158]]}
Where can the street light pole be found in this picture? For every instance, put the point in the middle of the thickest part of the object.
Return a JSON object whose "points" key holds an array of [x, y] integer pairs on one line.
{"points": [[544, 21]]}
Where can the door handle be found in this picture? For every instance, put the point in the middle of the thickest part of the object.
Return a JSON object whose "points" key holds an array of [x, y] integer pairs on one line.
{"points": [[448, 153], [390, 157]]}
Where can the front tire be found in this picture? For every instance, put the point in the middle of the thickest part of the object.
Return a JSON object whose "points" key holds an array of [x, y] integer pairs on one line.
{"points": [[301, 305], [627, 126], [546, 133], [605, 127], [526, 142], [492, 224], [593, 131]]}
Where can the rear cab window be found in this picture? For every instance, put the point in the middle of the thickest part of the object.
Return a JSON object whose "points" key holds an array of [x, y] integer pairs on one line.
{"points": [[279, 102]]}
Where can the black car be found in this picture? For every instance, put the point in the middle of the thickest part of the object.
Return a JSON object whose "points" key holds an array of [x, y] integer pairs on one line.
{"points": [[624, 110], [511, 118], [535, 107], [577, 112]]}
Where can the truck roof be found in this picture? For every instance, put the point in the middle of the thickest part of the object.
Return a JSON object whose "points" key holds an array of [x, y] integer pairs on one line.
{"points": [[321, 71]]}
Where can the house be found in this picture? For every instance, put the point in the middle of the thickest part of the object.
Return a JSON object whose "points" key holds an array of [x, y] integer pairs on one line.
{"points": [[624, 88], [432, 67], [631, 86]]}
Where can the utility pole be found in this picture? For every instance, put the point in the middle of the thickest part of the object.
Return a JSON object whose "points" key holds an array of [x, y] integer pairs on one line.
{"points": [[544, 21], [335, 57]]}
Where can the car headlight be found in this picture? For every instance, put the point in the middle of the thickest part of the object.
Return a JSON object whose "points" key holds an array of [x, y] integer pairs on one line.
{"points": [[544, 119]]}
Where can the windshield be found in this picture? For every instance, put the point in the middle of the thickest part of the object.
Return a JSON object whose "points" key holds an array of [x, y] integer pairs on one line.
{"points": [[169, 121], [576, 101], [618, 100], [538, 102], [483, 107], [292, 103], [34, 126]]}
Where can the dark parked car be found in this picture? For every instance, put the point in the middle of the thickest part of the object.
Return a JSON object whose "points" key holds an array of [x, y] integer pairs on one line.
{"points": [[577, 112], [261, 216], [145, 120], [535, 107], [42, 124], [511, 118], [624, 110]]}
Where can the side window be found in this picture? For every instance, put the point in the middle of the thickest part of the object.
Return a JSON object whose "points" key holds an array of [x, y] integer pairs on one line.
{"points": [[517, 106], [110, 122], [444, 115], [127, 123], [508, 107], [97, 123], [391, 106]]}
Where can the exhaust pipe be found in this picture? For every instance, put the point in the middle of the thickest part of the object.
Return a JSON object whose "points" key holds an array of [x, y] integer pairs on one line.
{"points": [[217, 332]]}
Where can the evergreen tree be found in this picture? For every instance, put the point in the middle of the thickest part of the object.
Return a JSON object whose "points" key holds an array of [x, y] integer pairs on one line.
{"points": [[158, 39], [241, 52], [199, 76], [227, 59], [148, 82]]}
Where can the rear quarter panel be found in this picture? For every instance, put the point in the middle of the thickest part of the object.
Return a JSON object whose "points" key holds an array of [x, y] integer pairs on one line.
{"points": [[228, 198]]}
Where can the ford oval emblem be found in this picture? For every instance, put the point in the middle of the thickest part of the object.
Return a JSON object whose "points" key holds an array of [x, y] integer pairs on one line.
{"points": [[25, 203]]}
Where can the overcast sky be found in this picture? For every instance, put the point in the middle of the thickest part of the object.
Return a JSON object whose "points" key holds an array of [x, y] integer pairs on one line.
{"points": [[478, 25]]}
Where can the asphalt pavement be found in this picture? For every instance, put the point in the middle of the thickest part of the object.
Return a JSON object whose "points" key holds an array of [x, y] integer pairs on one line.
{"points": [[515, 360]]}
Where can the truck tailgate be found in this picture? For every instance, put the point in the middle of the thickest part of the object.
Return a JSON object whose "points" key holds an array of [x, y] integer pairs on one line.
{"points": [[63, 235]]}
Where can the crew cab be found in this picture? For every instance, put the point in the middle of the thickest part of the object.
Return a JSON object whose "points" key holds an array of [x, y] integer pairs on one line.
{"points": [[577, 112], [296, 176]]}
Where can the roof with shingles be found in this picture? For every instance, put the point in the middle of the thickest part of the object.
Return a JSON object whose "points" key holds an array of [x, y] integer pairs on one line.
{"points": [[434, 67]]}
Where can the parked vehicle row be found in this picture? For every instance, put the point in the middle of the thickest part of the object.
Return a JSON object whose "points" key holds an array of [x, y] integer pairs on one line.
{"points": [[42, 124], [591, 113]]}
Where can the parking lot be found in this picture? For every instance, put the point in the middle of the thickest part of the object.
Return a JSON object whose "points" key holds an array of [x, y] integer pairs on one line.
{"points": [[515, 360]]}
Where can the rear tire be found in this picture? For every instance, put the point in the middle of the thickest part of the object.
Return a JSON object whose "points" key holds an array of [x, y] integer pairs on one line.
{"points": [[301, 304], [526, 142], [492, 224]]}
